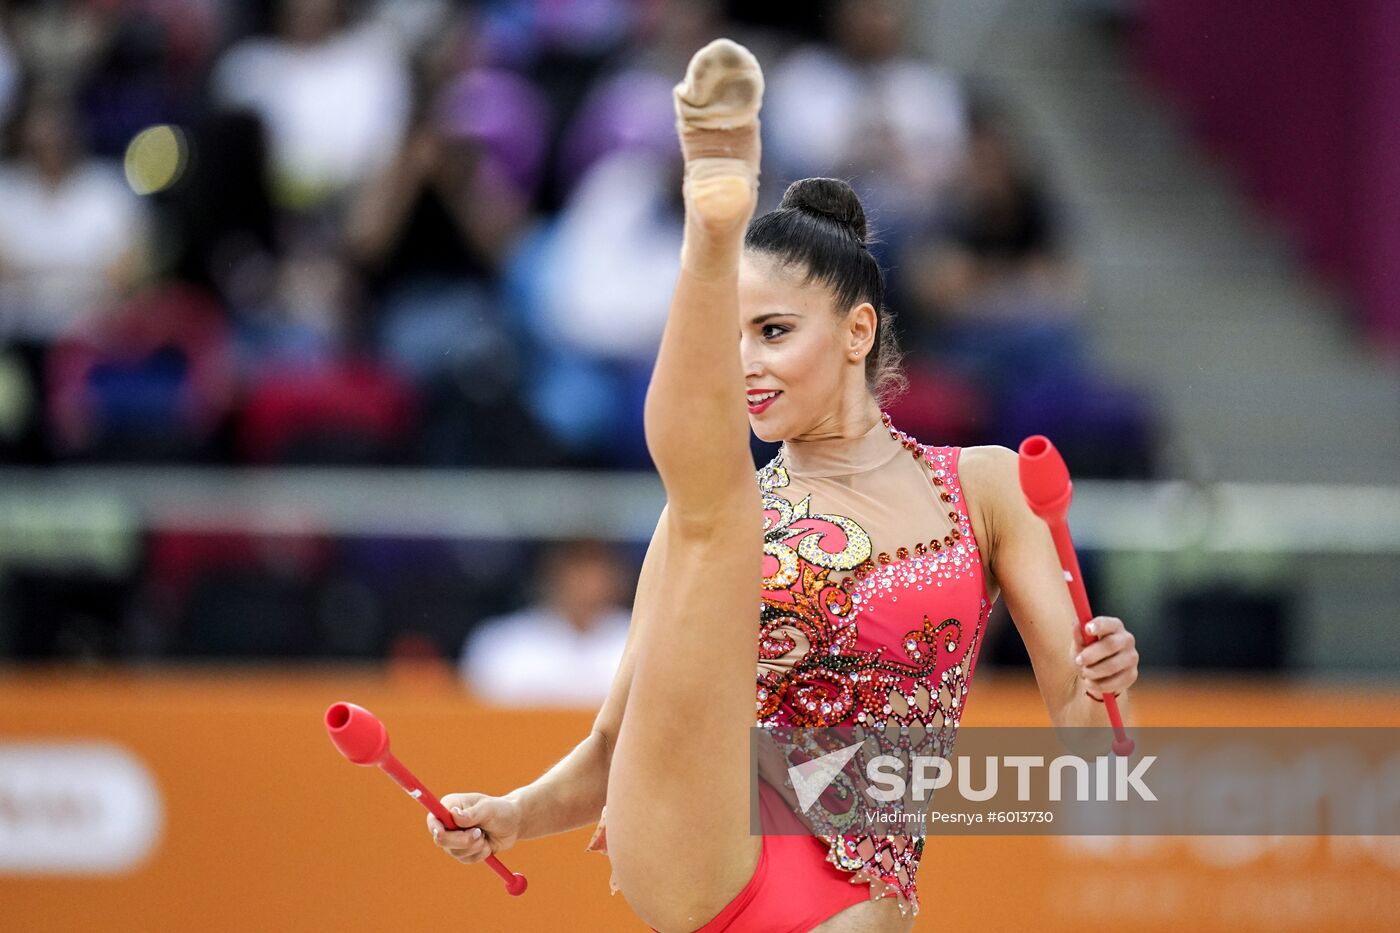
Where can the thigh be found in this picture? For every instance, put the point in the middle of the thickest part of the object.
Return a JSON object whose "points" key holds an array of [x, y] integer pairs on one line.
{"points": [[678, 789]]}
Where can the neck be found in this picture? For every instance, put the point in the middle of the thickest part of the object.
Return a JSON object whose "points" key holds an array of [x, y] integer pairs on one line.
{"points": [[850, 443], [845, 424]]}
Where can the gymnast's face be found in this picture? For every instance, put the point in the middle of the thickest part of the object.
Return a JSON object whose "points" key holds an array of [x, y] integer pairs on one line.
{"points": [[792, 341]]}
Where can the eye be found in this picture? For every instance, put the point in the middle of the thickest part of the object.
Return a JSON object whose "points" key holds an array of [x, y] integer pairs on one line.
{"points": [[778, 327]]}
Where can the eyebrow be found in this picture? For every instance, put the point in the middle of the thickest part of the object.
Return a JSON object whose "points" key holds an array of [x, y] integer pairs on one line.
{"points": [[772, 314]]}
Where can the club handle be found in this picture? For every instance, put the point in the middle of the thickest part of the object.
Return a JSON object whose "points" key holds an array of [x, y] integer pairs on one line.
{"points": [[1047, 488], [515, 882], [1064, 547]]}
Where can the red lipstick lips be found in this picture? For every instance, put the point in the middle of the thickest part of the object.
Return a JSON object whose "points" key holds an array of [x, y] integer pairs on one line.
{"points": [[766, 397]]}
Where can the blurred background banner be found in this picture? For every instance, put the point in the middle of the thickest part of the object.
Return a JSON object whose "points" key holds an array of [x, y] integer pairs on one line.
{"points": [[325, 331]]}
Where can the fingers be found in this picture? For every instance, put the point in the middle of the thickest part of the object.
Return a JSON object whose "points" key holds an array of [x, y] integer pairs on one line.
{"points": [[1108, 665], [465, 845], [1103, 650], [1099, 626], [470, 852], [465, 837], [467, 809], [467, 817], [459, 838], [1106, 658], [1094, 629], [442, 834], [1101, 630], [460, 801]]}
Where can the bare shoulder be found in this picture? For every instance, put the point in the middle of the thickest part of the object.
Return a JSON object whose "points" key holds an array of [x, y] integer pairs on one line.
{"points": [[986, 470], [988, 474]]}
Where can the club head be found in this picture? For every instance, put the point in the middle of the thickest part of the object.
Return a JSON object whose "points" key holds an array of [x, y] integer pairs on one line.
{"points": [[357, 732], [1044, 478]]}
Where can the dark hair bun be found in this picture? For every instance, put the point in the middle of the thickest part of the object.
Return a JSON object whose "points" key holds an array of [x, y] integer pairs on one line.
{"points": [[831, 198]]}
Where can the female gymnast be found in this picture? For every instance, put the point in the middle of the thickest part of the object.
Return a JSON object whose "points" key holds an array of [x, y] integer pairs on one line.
{"points": [[874, 561]]}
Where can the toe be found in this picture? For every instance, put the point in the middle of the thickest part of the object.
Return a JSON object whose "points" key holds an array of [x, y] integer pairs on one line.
{"points": [[722, 73]]}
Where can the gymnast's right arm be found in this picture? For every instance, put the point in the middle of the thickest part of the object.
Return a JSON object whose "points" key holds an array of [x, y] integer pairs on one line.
{"points": [[572, 793]]}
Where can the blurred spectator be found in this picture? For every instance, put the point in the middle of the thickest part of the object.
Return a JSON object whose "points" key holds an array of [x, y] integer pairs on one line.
{"points": [[609, 284], [71, 231], [146, 69], [56, 41], [453, 196], [987, 270], [562, 48], [866, 109], [563, 649], [999, 217], [227, 594], [333, 90], [630, 106], [593, 287], [430, 235], [223, 221], [995, 305], [520, 32]]}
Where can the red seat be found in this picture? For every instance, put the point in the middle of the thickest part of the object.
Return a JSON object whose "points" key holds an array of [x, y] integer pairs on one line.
{"points": [[153, 377], [350, 411]]}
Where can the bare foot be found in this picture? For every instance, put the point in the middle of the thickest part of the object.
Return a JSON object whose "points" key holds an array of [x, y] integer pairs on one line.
{"points": [[717, 115]]}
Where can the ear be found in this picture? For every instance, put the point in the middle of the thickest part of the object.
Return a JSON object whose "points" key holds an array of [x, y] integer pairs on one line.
{"points": [[860, 329]]}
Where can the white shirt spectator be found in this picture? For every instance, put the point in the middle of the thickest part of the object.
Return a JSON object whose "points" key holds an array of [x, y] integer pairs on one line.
{"points": [[608, 287], [59, 245], [535, 657], [899, 118], [335, 109]]}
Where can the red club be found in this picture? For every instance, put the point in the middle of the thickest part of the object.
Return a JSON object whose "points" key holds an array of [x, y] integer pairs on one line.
{"points": [[362, 738], [1046, 485]]}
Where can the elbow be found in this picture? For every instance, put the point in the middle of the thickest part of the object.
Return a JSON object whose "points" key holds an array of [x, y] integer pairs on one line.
{"points": [[607, 740]]}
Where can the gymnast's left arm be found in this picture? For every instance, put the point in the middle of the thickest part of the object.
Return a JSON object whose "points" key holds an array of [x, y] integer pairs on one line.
{"points": [[1020, 552]]}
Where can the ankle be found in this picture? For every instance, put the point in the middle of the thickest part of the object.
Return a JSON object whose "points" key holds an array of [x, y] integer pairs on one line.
{"points": [[708, 256], [719, 205], [738, 144]]}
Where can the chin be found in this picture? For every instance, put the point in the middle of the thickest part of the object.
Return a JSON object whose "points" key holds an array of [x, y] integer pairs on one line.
{"points": [[768, 433]]}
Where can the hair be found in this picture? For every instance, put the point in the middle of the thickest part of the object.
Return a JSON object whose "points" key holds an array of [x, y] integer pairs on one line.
{"points": [[820, 227]]}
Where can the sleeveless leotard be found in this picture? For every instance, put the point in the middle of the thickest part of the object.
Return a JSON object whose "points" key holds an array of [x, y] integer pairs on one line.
{"points": [[873, 609]]}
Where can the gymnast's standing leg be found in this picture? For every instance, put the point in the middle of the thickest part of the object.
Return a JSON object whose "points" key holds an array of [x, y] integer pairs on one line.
{"points": [[677, 804]]}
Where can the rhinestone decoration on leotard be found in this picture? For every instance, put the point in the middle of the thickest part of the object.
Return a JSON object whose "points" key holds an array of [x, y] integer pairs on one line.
{"points": [[813, 672]]}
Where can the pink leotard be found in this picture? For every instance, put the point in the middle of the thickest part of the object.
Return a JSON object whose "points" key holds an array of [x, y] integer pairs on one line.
{"points": [[873, 609]]}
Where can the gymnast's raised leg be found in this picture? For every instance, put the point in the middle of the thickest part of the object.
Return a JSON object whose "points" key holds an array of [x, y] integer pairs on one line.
{"points": [[677, 807]]}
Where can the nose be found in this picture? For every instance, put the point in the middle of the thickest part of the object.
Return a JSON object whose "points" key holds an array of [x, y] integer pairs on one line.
{"points": [[750, 357], [746, 360]]}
